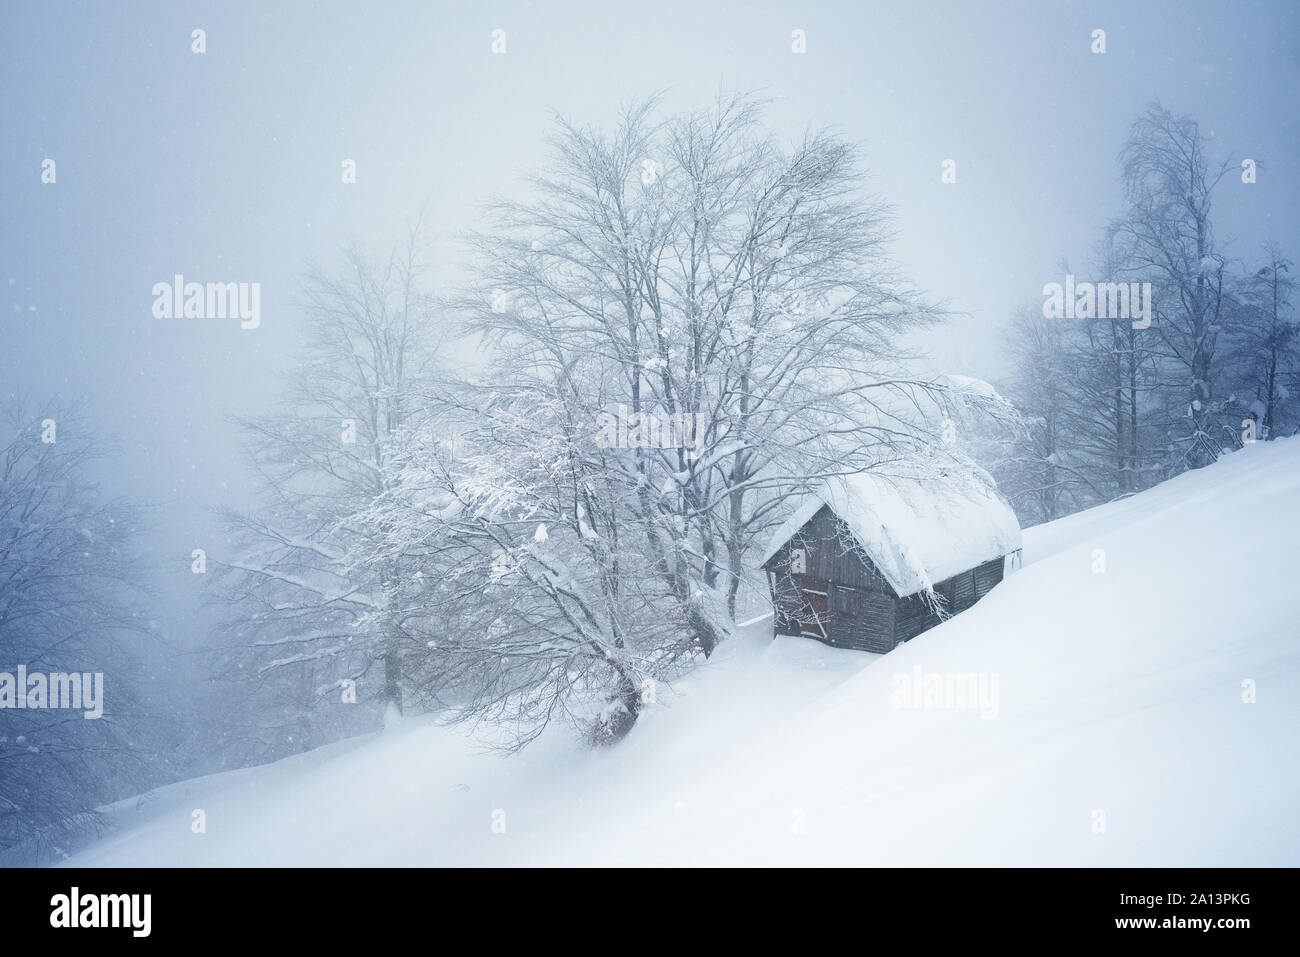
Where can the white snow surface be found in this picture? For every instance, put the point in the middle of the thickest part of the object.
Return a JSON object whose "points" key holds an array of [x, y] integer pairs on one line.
{"points": [[1120, 734], [917, 531]]}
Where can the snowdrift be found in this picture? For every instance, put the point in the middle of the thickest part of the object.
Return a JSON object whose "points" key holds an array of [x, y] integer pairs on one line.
{"points": [[1144, 714]]}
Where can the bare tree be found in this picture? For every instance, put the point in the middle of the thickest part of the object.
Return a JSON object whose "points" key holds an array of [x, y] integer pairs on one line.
{"points": [[1264, 345], [1166, 236], [70, 575], [537, 593], [689, 324], [726, 278], [308, 622], [1045, 472]]}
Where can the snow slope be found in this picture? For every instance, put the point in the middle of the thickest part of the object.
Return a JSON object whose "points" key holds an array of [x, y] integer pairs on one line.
{"points": [[1119, 701]]}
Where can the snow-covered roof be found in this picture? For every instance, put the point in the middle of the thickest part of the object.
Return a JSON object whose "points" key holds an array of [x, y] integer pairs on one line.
{"points": [[917, 531]]}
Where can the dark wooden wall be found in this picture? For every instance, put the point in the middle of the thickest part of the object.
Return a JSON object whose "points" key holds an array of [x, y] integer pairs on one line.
{"points": [[861, 602], [952, 595]]}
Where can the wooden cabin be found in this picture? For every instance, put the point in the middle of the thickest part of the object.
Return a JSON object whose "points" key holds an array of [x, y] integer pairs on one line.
{"points": [[872, 561]]}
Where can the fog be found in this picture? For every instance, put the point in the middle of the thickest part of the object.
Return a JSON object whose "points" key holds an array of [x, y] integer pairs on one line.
{"points": [[224, 166]]}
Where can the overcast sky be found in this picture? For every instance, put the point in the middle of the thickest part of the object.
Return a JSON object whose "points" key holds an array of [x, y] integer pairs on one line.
{"points": [[226, 165]]}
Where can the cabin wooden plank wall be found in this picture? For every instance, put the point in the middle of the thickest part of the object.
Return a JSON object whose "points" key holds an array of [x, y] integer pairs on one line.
{"points": [[862, 619], [954, 595], [842, 599], [860, 601]]}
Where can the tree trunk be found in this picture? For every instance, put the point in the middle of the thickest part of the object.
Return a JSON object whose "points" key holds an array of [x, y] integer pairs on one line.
{"points": [[625, 709], [1134, 468], [734, 548], [392, 676]]}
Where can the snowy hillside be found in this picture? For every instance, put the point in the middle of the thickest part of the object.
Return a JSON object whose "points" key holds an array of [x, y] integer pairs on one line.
{"points": [[1117, 734]]}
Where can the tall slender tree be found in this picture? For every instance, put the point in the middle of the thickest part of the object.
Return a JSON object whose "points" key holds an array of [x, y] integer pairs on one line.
{"points": [[1165, 236], [307, 623], [1264, 346]]}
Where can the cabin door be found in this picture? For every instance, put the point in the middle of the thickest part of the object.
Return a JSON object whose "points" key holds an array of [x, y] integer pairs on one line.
{"points": [[815, 617]]}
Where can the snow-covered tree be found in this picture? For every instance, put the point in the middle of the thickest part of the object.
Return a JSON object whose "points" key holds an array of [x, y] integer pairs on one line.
{"points": [[307, 626], [689, 324], [1165, 236], [70, 577], [537, 594], [1264, 348], [1114, 405], [722, 276], [1039, 466]]}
